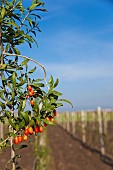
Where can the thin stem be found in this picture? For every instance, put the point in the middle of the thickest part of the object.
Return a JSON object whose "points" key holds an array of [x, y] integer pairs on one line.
{"points": [[12, 151], [8, 138], [2, 72], [24, 19], [25, 57]]}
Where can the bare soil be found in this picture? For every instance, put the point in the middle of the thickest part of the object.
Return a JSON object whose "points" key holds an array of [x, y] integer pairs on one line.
{"points": [[27, 160], [69, 154]]}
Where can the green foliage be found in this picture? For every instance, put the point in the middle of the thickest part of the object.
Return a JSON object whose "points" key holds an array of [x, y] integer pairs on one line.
{"points": [[19, 25]]}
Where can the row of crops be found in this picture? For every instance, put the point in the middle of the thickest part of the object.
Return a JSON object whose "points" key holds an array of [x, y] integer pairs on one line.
{"points": [[92, 128]]}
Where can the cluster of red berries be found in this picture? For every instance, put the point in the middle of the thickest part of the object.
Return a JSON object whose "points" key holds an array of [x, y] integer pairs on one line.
{"points": [[30, 130], [30, 94]]}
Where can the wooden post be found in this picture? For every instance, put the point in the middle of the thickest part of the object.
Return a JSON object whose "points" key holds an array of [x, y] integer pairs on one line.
{"points": [[101, 131], [73, 123], [105, 122], [83, 126], [68, 121], [1, 130], [93, 120]]}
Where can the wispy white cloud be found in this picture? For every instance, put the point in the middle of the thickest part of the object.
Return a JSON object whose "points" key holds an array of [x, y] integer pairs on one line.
{"points": [[72, 72]]}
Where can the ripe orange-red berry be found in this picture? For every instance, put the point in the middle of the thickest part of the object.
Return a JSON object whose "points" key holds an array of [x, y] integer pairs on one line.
{"points": [[27, 97], [19, 138], [26, 131], [16, 140], [25, 137], [41, 129], [29, 88], [47, 118], [45, 124], [30, 130], [55, 113], [51, 119], [32, 102], [32, 91], [36, 129], [30, 94]]}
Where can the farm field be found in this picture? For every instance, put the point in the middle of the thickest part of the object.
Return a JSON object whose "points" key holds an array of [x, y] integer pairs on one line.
{"points": [[77, 141], [69, 154], [28, 157]]}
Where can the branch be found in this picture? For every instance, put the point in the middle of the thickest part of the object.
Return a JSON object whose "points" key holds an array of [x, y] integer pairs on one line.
{"points": [[25, 57], [7, 138], [24, 19]]}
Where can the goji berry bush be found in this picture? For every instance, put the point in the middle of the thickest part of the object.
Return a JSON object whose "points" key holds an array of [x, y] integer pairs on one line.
{"points": [[19, 25]]}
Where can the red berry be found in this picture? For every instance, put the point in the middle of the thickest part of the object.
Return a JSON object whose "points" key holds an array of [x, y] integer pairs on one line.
{"points": [[41, 129], [26, 131], [55, 113], [20, 138], [36, 129], [29, 88], [27, 97], [32, 102], [51, 119], [45, 124], [25, 137], [16, 140], [30, 130]]}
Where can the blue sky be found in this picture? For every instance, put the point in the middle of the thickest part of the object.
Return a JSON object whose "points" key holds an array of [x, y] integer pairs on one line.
{"points": [[76, 45]]}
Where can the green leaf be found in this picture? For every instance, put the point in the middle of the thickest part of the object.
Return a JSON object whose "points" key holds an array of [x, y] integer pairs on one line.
{"points": [[59, 105], [48, 122], [32, 7], [24, 104], [37, 80], [28, 37], [3, 12], [21, 147], [31, 122], [31, 71], [12, 23], [14, 79], [56, 83], [25, 117], [16, 51], [24, 62], [65, 100], [12, 123], [22, 124], [2, 95], [17, 127], [51, 81], [8, 114], [2, 66], [56, 93], [21, 83], [37, 85]]}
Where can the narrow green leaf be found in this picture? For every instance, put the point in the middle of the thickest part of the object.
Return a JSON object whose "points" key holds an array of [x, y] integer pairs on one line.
{"points": [[65, 100], [21, 147], [16, 51], [14, 79], [56, 83], [12, 23], [31, 71], [31, 122], [24, 62], [26, 117], [11, 123], [3, 66], [48, 122], [3, 12], [32, 7], [21, 83]]}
